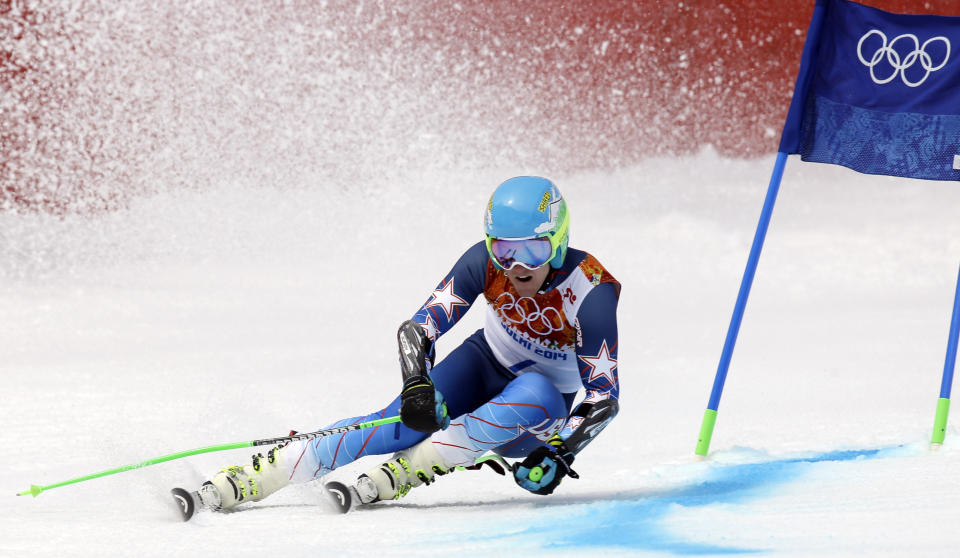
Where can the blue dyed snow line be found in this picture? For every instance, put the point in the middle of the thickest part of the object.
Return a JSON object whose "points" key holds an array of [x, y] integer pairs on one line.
{"points": [[635, 521]]}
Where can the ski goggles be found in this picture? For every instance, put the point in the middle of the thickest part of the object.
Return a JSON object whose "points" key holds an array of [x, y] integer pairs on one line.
{"points": [[529, 253]]}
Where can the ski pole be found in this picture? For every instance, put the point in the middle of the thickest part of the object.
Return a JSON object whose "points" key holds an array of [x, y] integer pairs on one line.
{"points": [[36, 490]]}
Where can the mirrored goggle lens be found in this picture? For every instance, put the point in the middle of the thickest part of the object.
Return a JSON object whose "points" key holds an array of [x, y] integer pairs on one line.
{"points": [[530, 253]]}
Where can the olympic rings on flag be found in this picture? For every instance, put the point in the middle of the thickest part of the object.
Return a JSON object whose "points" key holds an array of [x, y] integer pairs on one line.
{"points": [[901, 65]]}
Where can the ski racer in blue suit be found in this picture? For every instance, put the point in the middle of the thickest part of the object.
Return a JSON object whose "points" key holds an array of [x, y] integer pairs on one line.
{"points": [[509, 390]]}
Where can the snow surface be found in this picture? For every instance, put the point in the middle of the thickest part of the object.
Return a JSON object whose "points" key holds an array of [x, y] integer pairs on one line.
{"points": [[231, 313]]}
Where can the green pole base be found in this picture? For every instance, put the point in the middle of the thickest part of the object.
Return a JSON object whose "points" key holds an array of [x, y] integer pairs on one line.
{"points": [[940, 421], [706, 432], [34, 491]]}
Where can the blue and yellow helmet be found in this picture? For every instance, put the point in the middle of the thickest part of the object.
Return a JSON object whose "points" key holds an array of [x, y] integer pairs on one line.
{"points": [[527, 223]]}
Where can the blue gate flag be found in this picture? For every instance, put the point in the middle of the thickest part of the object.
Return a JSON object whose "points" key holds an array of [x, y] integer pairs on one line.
{"points": [[878, 92]]}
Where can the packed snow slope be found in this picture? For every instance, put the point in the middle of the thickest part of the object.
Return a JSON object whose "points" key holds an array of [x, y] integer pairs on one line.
{"points": [[235, 313]]}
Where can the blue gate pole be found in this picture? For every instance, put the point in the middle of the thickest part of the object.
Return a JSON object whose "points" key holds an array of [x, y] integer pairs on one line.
{"points": [[943, 404], [710, 415]]}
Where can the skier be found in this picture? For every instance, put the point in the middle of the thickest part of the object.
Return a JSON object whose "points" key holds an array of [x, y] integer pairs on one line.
{"points": [[550, 330]]}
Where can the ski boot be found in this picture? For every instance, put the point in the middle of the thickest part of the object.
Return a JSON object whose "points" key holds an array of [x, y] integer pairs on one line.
{"points": [[236, 484], [407, 469]]}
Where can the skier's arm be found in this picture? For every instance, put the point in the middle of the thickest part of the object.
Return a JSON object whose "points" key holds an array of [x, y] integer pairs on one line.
{"points": [[422, 405], [597, 356], [454, 295], [542, 470]]}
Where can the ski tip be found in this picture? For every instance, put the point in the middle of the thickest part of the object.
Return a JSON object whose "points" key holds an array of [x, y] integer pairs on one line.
{"points": [[186, 503], [339, 495]]}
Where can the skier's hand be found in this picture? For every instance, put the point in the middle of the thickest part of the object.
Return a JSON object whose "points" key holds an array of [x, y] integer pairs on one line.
{"points": [[422, 407], [542, 470]]}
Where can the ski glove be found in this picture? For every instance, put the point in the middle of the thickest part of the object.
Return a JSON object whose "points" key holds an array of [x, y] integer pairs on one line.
{"points": [[542, 470], [422, 407]]}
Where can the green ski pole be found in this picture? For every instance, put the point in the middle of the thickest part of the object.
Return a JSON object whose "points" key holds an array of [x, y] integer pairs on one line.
{"points": [[36, 490]]}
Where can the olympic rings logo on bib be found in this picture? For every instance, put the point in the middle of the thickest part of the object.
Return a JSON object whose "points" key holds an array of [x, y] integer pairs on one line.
{"points": [[886, 51], [526, 311]]}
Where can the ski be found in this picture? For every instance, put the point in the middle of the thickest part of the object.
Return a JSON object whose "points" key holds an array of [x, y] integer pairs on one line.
{"points": [[343, 497], [187, 502], [340, 497]]}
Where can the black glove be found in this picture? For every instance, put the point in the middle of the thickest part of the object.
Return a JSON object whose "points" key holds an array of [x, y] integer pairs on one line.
{"points": [[542, 470], [422, 407]]}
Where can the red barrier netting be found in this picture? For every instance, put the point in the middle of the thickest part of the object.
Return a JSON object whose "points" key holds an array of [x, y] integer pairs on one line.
{"points": [[100, 104]]}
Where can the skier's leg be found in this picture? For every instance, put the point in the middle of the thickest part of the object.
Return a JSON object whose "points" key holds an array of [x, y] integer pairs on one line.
{"points": [[468, 377], [305, 460], [529, 408], [465, 377], [528, 411], [462, 377], [530, 440], [315, 458]]}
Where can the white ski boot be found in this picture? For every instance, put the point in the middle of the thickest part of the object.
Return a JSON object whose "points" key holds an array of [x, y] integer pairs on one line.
{"points": [[236, 484], [407, 469]]}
